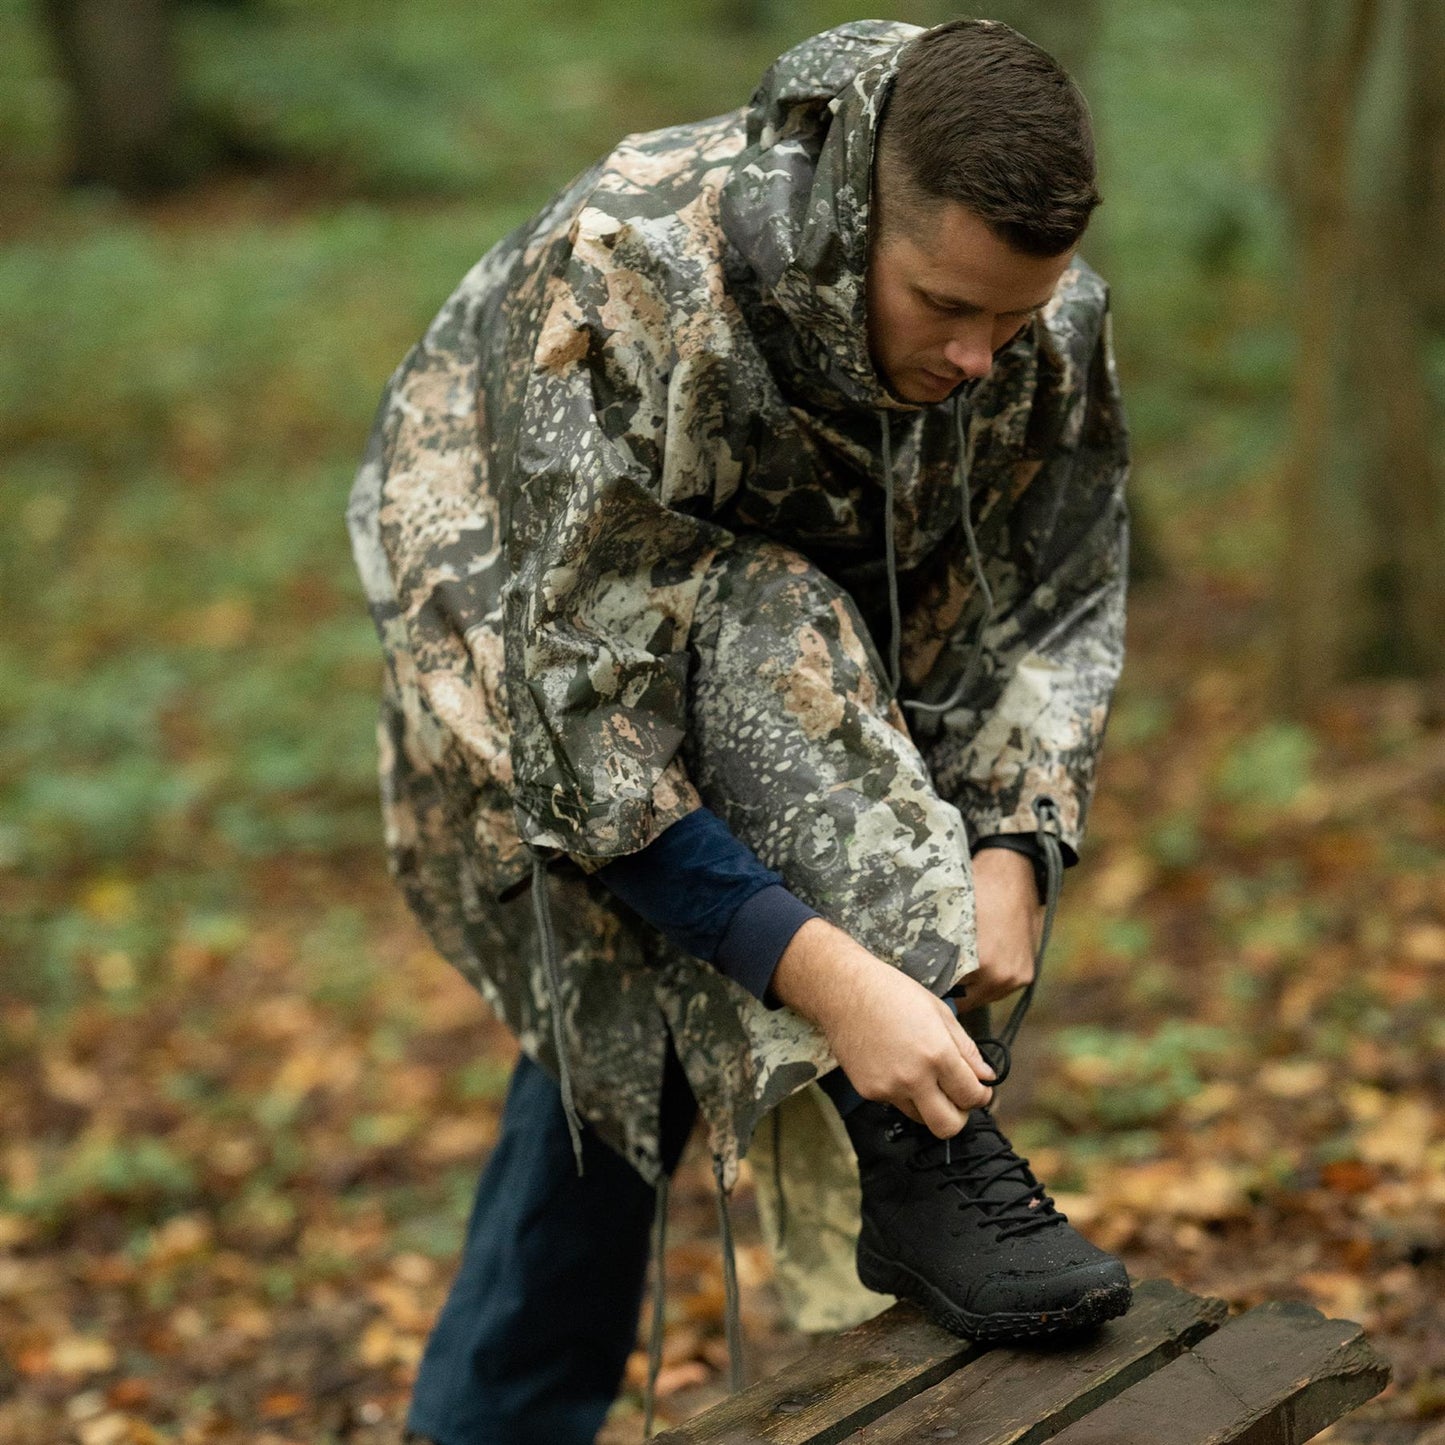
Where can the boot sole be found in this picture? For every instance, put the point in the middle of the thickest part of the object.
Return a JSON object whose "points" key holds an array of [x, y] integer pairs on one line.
{"points": [[1093, 1307]]}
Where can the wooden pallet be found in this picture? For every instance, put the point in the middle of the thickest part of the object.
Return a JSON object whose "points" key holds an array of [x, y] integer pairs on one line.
{"points": [[1176, 1370]]}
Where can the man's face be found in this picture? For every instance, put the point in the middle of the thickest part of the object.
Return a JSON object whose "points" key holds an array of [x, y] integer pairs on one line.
{"points": [[944, 294]]}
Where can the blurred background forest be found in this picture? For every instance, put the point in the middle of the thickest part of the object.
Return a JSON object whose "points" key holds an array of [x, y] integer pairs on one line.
{"points": [[242, 1105]]}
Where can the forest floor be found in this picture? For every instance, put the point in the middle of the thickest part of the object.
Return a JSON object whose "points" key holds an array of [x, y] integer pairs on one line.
{"points": [[236, 1186]]}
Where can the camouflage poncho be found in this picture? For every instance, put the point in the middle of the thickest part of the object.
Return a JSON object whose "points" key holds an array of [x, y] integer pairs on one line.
{"points": [[672, 356]]}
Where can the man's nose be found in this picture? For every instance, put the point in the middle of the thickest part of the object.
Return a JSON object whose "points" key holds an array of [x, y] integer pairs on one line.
{"points": [[971, 354]]}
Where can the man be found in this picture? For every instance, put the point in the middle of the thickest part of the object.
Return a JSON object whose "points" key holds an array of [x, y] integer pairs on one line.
{"points": [[755, 404]]}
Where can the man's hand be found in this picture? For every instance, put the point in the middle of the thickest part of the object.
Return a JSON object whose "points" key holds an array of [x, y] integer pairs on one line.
{"points": [[898, 1043], [1010, 921]]}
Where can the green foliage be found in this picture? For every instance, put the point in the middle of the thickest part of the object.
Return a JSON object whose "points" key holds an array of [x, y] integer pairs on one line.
{"points": [[1175, 839], [1129, 1080], [1127, 938], [1137, 717], [483, 1080], [337, 962], [1270, 768], [143, 1173]]}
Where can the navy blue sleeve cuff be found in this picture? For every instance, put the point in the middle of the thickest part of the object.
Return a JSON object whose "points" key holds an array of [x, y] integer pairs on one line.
{"points": [[760, 931], [708, 893]]}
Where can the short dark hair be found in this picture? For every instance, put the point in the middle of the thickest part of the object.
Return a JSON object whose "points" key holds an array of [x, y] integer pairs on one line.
{"points": [[980, 115]]}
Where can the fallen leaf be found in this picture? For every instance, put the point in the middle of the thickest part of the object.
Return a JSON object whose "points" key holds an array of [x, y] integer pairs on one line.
{"points": [[382, 1345], [1082, 1209], [109, 1429], [1341, 1295], [1124, 879], [178, 1238], [281, 1405], [1294, 1078], [1216, 1098], [110, 901], [130, 1393], [1208, 1191], [1424, 943], [70, 1084], [414, 1269], [114, 970], [85, 1405], [15, 1229], [82, 1355], [1400, 1136], [1349, 1176], [400, 1303], [451, 1141]]}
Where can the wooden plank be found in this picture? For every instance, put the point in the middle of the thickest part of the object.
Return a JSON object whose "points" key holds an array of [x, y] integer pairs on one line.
{"points": [[837, 1388], [1021, 1396], [1274, 1376]]}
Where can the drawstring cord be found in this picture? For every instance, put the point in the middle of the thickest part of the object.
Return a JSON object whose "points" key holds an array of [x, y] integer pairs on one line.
{"points": [[960, 431], [733, 1323], [895, 644], [778, 1175], [732, 1317], [659, 1290], [547, 936], [890, 552], [997, 1051]]}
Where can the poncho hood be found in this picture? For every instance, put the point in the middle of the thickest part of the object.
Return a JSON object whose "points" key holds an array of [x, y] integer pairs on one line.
{"points": [[795, 207]]}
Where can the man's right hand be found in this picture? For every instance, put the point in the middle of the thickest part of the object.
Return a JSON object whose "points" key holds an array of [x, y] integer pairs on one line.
{"points": [[898, 1043]]}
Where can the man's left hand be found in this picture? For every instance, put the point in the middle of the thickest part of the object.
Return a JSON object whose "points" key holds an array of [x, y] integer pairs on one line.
{"points": [[1010, 922]]}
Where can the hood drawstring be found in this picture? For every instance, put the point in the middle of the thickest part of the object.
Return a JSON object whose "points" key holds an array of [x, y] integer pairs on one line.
{"points": [[547, 937], [890, 551], [895, 645]]}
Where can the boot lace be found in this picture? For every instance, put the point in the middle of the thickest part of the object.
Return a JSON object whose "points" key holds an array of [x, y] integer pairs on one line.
{"points": [[982, 1176]]}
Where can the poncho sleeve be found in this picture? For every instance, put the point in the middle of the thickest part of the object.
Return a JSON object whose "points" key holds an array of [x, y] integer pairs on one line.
{"points": [[1024, 752], [607, 545]]}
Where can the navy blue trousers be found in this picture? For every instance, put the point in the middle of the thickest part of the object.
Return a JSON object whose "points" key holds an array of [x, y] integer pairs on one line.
{"points": [[530, 1347]]}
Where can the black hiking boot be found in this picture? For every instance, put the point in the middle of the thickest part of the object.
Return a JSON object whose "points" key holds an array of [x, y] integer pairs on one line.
{"points": [[962, 1228]]}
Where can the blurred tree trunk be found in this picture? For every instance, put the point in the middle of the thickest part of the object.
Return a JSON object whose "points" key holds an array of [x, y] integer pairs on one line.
{"points": [[1361, 405], [117, 57], [1425, 151], [1403, 601]]}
